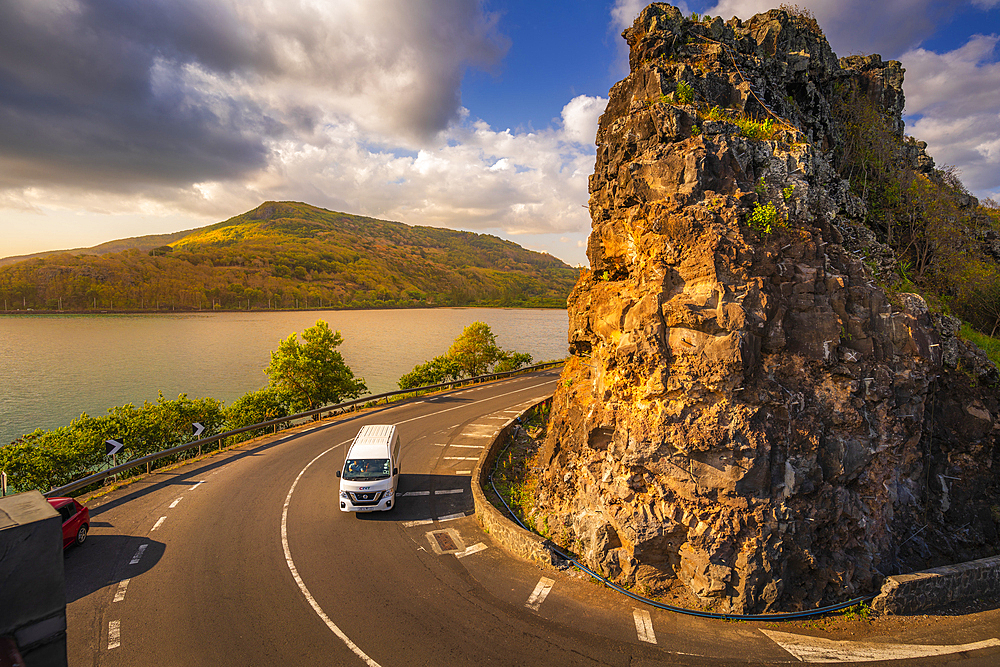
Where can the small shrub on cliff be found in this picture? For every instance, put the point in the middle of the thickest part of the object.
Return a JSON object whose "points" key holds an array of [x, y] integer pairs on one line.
{"points": [[765, 219], [684, 93]]}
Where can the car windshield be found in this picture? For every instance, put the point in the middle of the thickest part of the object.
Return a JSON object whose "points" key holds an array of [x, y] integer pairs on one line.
{"points": [[366, 469]]}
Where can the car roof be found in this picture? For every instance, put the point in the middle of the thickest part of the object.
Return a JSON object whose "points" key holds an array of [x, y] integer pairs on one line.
{"points": [[372, 442]]}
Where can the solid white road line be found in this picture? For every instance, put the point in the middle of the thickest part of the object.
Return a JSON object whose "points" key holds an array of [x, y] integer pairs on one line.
{"points": [[814, 649], [159, 522], [445, 492], [474, 549], [120, 593], [459, 407], [174, 504], [644, 626], [539, 594], [452, 517], [138, 554], [196, 485], [114, 634], [295, 571]]}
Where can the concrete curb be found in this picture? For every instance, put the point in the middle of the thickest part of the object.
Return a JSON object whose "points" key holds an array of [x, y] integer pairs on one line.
{"points": [[921, 591], [511, 536]]}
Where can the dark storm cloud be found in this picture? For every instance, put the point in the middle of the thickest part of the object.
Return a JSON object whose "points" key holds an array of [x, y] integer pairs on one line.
{"points": [[122, 95]]}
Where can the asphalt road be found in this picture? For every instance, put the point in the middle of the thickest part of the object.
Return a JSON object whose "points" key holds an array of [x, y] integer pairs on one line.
{"points": [[246, 559]]}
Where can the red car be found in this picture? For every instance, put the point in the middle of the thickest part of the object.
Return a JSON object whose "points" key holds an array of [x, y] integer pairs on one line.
{"points": [[75, 518]]}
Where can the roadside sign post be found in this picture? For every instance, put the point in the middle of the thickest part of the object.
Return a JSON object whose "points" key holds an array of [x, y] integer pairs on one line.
{"points": [[112, 447], [3, 484], [197, 429]]}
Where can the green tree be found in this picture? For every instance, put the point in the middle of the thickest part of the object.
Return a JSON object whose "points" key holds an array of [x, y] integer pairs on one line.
{"points": [[476, 349], [474, 352], [437, 370], [312, 373]]}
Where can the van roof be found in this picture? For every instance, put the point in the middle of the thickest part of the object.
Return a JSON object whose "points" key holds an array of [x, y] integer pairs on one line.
{"points": [[372, 441]]}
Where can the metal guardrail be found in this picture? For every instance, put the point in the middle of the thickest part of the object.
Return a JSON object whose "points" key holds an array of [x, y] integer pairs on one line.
{"points": [[149, 458]]}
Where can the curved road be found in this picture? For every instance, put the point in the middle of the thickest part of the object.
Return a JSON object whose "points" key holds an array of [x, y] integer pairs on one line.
{"points": [[246, 559]]}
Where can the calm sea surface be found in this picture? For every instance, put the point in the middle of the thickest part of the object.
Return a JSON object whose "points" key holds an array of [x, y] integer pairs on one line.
{"points": [[55, 367]]}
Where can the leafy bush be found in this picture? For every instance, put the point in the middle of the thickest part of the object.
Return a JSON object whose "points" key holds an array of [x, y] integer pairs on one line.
{"points": [[765, 218], [474, 352], [684, 93], [255, 407]]}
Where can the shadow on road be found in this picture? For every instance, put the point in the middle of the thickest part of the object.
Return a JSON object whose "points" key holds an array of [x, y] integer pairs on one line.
{"points": [[424, 497], [104, 560]]}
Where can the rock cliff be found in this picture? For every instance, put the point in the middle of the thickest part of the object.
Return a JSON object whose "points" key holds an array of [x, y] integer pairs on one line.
{"points": [[745, 410]]}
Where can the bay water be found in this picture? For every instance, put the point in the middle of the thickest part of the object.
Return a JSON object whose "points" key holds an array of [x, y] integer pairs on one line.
{"points": [[53, 368]]}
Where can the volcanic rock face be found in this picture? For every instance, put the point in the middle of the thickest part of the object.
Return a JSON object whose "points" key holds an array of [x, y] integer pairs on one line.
{"points": [[746, 410]]}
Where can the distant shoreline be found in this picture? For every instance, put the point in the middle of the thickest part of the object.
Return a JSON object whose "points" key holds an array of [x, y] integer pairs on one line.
{"points": [[162, 311]]}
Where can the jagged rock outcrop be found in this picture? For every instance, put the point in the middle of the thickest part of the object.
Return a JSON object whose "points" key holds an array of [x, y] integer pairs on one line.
{"points": [[746, 411]]}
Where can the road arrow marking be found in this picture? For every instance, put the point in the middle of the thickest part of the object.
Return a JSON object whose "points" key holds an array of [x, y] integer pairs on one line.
{"points": [[197, 428], [113, 446], [815, 649]]}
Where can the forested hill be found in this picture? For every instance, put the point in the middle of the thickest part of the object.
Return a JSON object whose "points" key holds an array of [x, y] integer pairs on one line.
{"points": [[293, 255]]}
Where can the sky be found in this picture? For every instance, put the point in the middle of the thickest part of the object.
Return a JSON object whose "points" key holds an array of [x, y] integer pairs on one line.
{"points": [[122, 118]]}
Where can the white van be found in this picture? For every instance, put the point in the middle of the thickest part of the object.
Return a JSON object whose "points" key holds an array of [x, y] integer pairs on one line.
{"points": [[371, 470]]}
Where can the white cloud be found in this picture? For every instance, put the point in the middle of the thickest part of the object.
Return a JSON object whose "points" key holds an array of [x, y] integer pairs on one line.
{"points": [[954, 104], [860, 26], [580, 118]]}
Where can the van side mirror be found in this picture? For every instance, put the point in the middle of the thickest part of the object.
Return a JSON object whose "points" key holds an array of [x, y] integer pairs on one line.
{"points": [[338, 473], [395, 471]]}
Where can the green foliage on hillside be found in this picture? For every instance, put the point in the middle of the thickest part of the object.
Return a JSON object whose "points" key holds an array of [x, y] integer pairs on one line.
{"points": [[940, 235], [292, 255], [475, 352]]}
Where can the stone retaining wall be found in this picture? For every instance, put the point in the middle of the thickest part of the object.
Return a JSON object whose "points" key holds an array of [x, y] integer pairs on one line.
{"points": [[920, 591], [504, 530]]}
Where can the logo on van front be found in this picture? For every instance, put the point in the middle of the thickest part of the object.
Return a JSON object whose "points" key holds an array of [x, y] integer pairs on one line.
{"points": [[364, 488]]}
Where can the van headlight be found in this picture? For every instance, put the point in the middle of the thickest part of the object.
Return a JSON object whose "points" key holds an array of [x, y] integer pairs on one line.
{"points": [[388, 494], [343, 494]]}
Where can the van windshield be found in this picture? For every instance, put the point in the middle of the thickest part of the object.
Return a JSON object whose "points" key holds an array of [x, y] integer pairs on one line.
{"points": [[366, 469]]}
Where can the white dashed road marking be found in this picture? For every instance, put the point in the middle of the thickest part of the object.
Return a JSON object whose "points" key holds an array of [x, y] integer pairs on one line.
{"points": [[197, 485], [814, 649], [421, 522], [445, 492], [463, 472], [138, 554], [644, 626], [475, 548], [120, 593], [468, 446], [539, 594], [174, 504], [452, 517], [159, 522], [461, 458], [114, 634], [414, 493]]}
